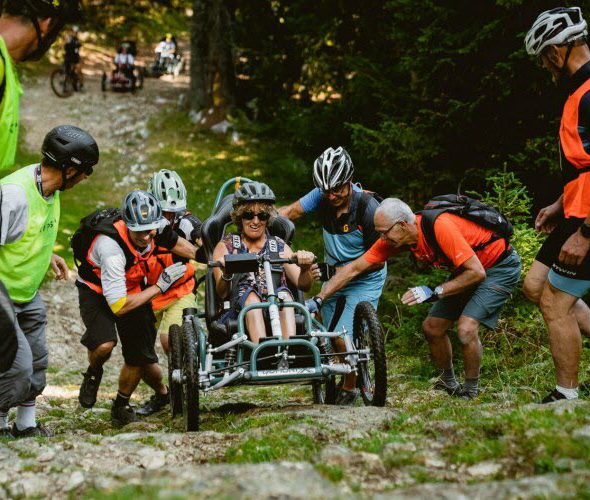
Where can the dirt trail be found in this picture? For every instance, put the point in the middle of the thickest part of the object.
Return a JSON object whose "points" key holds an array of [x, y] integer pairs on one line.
{"points": [[296, 449]]}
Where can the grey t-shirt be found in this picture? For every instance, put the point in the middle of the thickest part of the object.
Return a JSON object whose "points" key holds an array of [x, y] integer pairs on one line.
{"points": [[14, 211]]}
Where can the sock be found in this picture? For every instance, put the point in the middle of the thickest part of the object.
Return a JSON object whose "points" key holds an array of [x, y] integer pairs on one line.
{"points": [[568, 393], [3, 420], [122, 399], [472, 386], [25, 416], [448, 378]]}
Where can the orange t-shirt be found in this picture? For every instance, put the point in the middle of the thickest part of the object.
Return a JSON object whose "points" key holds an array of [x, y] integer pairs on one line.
{"points": [[456, 237]]}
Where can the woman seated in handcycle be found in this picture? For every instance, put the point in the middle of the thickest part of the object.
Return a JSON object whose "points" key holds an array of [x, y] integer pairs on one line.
{"points": [[253, 209]]}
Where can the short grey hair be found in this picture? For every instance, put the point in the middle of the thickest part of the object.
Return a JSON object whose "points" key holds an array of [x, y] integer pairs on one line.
{"points": [[396, 210]]}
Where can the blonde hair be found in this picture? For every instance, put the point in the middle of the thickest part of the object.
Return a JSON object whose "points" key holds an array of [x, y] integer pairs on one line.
{"points": [[255, 206]]}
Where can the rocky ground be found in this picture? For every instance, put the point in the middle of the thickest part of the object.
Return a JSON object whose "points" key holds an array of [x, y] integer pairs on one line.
{"points": [[265, 442]]}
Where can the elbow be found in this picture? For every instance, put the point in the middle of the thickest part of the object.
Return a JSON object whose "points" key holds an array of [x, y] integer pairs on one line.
{"points": [[479, 275]]}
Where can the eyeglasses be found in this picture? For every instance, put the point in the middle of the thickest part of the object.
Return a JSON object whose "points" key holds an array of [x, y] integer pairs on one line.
{"points": [[337, 191], [385, 233], [262, 216]]}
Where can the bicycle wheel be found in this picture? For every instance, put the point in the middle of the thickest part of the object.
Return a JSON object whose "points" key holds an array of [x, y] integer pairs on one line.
{"points": [[324, 393], [372, 369], [175, 363], [190, 364], [62, 83]]}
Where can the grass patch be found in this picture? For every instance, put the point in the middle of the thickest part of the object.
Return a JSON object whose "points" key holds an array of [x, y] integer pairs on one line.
{"points": [[333, 473]]}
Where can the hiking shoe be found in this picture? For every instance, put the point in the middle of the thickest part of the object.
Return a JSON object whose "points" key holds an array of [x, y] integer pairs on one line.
{"points": [[89, 389], [154, 404], [466, 395], [347, 398], [123, 415], [38, 430], [439, 385], [553, 396]]}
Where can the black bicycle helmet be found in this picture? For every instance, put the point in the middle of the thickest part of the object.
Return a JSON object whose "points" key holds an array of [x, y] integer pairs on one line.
{"points": [[254, 192], [68, 146], [61, 11], [141, 211], [333, 168]]}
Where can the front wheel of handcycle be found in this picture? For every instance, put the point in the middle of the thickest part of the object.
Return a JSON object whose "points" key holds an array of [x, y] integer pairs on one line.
{"points": [[324, 393], [372, 367], [175, 363], [62, 83], [190, 384]]}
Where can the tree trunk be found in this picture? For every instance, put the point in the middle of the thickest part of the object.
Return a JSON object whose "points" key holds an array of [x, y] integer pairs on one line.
{"points": [[212, 64]]}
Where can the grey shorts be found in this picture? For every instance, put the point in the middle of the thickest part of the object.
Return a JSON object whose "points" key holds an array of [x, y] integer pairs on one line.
{"points": [[485, 302]]}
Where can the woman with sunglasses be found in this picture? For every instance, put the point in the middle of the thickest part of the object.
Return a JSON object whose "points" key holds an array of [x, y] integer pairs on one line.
{"points": [[253, 210]]}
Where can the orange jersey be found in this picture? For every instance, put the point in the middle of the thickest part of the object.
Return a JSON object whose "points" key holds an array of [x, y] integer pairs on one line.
{"points": [[456, 237]]}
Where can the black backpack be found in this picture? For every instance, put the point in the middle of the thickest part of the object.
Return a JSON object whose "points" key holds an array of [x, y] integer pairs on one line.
{"points": [[98, 222], [466, 208]]}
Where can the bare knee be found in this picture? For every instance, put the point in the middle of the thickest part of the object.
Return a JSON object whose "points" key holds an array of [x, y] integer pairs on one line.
{"points": [[434, 327], [104, 350], [532, 290], [468, 331]]}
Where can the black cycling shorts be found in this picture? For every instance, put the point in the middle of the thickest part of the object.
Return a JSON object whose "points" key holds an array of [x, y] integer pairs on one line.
{"points": [[136, 329], [549, 252]]}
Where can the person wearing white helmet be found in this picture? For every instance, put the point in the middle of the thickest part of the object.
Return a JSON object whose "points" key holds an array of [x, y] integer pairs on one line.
{"points": [[560, 275], [346, 213]]}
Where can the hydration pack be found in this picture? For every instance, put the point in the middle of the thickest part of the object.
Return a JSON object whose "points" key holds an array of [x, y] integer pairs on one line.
{"points": [[467, 208]]}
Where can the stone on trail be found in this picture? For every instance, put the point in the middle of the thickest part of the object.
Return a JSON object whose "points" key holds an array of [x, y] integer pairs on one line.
{"points": [[583, 433], [75, 480], [151, 459], [486, 468]]}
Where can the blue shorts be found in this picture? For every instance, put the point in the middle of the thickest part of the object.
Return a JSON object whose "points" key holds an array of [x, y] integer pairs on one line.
{"points": [[484, 303], [353, 297], [234, 312], [575, 287]]}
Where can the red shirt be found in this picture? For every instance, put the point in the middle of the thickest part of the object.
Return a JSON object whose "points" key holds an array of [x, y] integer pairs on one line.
{"points": [[455, 236]]}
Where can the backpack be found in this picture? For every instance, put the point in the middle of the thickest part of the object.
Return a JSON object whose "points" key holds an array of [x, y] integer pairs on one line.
{"points": [[363, 203], [469, 209], [98, 222]]}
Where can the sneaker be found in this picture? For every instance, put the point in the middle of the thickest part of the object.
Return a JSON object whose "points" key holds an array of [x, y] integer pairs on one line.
{"points": [[123, 415], [38, 430], [89, 389], [347, 398], [155, 403], [553, 396], [466, 395], [439, 385]]}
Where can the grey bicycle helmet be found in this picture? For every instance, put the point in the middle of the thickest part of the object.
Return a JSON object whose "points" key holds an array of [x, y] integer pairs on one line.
{"points": [[253, 192], [168, 188], [333, 168], [555, 27], [68, 146], [141, 211]]}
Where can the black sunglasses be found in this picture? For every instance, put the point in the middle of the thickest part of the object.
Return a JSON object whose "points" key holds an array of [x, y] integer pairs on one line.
{"points": [[262, 216]]}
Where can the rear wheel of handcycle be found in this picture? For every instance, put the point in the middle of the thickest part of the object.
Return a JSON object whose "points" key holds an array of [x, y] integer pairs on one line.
{"points": [[175, 363], [324, 393], [62, 83], [372, 374], [190, 364]]}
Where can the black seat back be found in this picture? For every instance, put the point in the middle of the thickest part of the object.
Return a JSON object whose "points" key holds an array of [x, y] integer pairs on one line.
{"points": [[213, 230]]}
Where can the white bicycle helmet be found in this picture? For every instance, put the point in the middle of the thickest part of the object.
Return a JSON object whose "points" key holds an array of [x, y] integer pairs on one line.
{"points": [[555, 27], [168, 188], [332, 169]]}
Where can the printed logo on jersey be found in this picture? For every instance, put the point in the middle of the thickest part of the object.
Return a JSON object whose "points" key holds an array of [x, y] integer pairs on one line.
{"points": [[236, 241], [272, 246], [346, 228]]}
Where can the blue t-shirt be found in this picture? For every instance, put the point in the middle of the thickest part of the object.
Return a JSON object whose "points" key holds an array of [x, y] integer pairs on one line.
{"points": [[349, 236]]}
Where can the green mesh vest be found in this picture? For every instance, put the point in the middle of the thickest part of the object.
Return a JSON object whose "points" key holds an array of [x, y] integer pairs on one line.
{"points": [[9, 106], [23, 264]]}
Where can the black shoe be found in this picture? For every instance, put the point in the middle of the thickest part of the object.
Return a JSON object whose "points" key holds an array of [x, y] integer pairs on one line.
{"points": [[347, 398], [123, 415], [466, 395], [439, 385], [553, 396], [89, 389], [38, 430], [155, 403]]}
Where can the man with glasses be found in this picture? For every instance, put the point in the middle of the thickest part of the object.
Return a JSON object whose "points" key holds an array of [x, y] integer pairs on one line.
{"points": [[346, 213], [560, 275], [484, 272]]}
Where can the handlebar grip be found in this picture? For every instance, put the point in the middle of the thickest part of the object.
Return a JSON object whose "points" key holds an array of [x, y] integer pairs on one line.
{"points": [[213, 263]]}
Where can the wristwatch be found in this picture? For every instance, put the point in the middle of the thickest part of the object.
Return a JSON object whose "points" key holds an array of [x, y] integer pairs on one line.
{"points": [[439, 292], [585, 230], [319, 301]]}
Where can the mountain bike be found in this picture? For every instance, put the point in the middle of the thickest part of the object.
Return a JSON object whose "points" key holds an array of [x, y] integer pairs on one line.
{"points": [[65, 81]]}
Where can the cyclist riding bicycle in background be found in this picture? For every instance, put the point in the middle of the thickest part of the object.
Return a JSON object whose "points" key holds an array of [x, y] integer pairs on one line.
{"points": [[21, 22], [72, 58], [346, 213], [169, 190], [253, 208]]}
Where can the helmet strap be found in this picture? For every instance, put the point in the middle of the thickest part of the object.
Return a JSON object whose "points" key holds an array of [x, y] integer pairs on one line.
{"points": [[570, 46], [64, 179]]}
